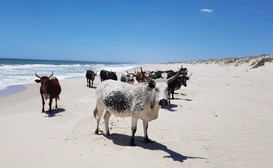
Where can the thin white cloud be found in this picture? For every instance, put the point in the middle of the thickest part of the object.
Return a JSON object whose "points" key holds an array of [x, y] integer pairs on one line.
{"points": [[206, 10]]}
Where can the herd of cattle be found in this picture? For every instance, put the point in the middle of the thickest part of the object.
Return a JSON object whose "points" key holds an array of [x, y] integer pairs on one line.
{"points": [[142, 77], [124, 98]]}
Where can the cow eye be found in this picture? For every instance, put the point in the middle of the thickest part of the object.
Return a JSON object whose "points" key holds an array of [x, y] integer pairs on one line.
{"points": [[156, 89]]}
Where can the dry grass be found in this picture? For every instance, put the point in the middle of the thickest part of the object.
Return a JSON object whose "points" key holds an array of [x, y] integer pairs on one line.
{"points": [[251, 61]]}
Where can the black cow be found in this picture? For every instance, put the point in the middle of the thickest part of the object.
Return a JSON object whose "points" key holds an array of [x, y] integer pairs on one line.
{"points": [[105, 75], [90, 77], [158, 74], [170, 73], [176, 85]]}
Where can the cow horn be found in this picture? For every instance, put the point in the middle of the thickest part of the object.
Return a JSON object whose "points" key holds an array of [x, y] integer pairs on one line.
{"points": [[51, 75], [189, 75], [175, 76], [141, 70], [128, 72], [145, 77], [181, 67], [37, 75]]}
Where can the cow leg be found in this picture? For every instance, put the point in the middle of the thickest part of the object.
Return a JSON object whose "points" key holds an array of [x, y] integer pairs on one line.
{"points": [[133, 128], [92, 82], [56, 106], [145, 127], [50, 103], [172, 94], [98, 114], [43, 103], [89, 82], [106, 121]]}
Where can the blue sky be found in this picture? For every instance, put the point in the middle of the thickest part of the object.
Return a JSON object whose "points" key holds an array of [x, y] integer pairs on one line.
{"points": [[143, 31]]}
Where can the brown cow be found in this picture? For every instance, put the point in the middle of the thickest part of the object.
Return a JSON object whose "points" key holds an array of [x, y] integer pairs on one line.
{"points": [[50, 88], [140, 76]]}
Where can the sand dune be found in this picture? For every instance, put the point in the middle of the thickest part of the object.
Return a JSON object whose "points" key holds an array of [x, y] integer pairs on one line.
{"points": [[251, 61], [222, 119]]}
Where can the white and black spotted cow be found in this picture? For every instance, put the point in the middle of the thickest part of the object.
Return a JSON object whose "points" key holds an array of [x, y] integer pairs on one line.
{"points": [[136, 101], [128, 78]]}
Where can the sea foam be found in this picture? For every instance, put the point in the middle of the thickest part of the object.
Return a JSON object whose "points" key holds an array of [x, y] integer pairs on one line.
{"points": [[24, 73]]}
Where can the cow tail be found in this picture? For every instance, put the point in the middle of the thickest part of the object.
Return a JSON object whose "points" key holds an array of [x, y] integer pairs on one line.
{"points": [[95, 112]]}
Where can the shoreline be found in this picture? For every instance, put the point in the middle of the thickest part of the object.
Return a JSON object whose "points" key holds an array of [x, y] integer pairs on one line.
{"points": [[12, 90]]}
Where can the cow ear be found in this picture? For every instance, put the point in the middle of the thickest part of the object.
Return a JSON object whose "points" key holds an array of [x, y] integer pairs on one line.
{"points": [[151, 85], [37, 81]]}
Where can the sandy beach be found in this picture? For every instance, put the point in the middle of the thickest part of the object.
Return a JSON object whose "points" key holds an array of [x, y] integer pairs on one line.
{"points": [[222, 119]]}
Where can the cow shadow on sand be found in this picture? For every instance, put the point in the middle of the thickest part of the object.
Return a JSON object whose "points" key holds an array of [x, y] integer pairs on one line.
{"points": [[181, 98], [123, 140], [92, 87], [170, 107], [55, 112]]}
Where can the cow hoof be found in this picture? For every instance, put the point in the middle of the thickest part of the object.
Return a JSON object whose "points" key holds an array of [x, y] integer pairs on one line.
{"points": [[97, 132], [132, 143], [108, 133]]}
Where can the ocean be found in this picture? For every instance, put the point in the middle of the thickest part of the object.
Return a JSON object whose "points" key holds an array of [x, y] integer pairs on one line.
{"points": [[14, 72]]}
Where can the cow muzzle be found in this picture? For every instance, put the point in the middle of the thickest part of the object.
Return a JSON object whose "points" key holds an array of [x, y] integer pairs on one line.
{"points": [[163, 102]]}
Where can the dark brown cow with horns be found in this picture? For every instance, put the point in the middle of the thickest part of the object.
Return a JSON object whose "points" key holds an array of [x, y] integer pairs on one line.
{"points": [[50, 89]]}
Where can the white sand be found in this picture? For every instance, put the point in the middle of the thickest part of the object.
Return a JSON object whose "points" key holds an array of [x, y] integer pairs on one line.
{"points": [[224, 118]]}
